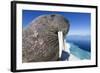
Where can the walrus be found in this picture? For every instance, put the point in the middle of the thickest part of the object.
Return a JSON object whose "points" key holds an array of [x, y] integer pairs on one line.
{"points": [[40, 38]]}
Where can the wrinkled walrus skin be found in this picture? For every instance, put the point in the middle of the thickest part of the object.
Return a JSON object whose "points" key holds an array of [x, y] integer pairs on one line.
{"points": [[40, 38]]}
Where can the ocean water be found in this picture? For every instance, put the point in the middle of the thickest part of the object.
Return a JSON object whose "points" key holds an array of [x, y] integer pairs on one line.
{"points": [[80, 47], [82, 42], [77, 52]]}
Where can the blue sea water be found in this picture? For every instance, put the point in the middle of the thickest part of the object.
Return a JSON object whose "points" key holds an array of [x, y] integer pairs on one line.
{"points": [[82, 42], [80, 46], [76, 51]]}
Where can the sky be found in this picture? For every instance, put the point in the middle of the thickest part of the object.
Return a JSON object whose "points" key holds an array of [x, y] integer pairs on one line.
{"points": [[80, 23]]}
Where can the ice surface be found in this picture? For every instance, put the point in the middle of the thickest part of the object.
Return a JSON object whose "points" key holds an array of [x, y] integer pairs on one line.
{"points": [[73, 52]]}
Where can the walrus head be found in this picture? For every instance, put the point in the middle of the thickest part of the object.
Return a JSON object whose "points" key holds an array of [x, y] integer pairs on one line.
{"points": [[40, 38]]}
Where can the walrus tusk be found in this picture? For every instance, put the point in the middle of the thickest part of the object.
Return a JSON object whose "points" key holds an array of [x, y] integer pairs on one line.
{"points": [[61, 43]]}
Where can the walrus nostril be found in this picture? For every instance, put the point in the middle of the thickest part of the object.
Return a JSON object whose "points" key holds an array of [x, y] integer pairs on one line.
{"points": [[56, 32]]}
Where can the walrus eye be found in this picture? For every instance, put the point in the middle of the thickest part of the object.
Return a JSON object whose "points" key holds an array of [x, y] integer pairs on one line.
{"points": [[44, 24], [52, 15]]}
